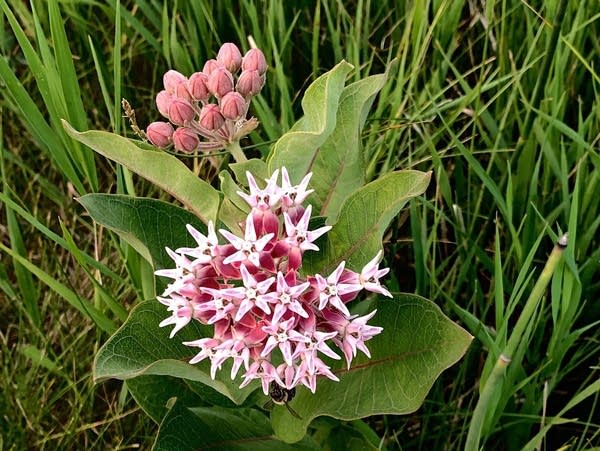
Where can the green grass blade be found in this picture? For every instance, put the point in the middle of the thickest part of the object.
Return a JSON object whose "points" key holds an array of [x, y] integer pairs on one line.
{"points": [[88, 310]]}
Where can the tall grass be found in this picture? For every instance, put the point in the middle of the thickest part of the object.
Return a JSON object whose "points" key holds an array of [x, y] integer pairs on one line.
{"points": [[500, 99]]}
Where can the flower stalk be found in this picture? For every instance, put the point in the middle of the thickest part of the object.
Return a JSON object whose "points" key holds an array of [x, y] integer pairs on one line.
{"points": [[485, 405], [236, 152]]}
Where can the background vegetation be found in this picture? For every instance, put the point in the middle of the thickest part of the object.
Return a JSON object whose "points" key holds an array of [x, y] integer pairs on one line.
{"points": [[498, 98]]}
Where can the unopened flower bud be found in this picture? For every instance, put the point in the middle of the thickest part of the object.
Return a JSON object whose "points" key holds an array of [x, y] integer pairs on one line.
{"points": [[160, 133], [172, 79], [254, 59], [185, 140], [249, 83], [233, 106], [163, 102], [210, 66], [211, 117], [180, 111], [181, 92], [220, 82], [230, 57], [196, 86]]}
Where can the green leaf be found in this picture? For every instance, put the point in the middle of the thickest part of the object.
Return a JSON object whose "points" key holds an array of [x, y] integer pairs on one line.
{"points": [[258, 168], [364, 217], [223, 429], [141, 347], [162, 169], [234, 208], [337, 167], [418, 342], [148, 225], [153, 392], [297, 148]]}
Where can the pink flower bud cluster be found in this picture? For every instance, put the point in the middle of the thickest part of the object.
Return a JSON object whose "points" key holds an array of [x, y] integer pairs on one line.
{"points": [[207, 110], [267, 317]]}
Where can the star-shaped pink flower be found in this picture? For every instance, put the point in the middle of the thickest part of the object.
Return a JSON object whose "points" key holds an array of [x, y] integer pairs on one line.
{"points": [[370, 275], [262, 199], [206, 249], [286, 298], [294, 195], [249, 248]]}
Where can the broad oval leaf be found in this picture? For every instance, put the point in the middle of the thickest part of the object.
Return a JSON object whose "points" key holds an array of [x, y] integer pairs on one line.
{"points": [[153, 392], [296, 149], [140, 347], [162, 169], [148, 225], [363, 218], [338, 167], [418, 342], [220, 428]]}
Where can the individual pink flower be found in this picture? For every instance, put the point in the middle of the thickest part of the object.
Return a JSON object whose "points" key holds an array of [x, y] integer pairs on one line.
{"points": [[262, 199], [287, 298], [356, 332], [308, 376], [330, 290], [369, 278], [182, 312], [249, 248], [299, 238], [282, 334], [220, 82], [181, 111], [163, 102], [250, 295], [206, 344], [196, 86], [184, 267], [294, 195], [233, 106], [307, 350], [264, 370], [206, 249], [254, 59], [218, 307], [249, 83], [172, 79], [211, 117], [230, 57], [160, 134], [185, 140]]}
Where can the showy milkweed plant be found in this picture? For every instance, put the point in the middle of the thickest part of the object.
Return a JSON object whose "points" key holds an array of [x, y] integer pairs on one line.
{"points": [[271, 285]]}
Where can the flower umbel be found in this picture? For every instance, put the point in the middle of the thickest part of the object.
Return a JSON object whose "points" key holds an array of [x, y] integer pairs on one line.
{"points": [[269, 319], [208, 110]]}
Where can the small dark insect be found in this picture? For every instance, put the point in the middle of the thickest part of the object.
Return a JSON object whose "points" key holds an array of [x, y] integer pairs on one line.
{"points": [[281, 396]]}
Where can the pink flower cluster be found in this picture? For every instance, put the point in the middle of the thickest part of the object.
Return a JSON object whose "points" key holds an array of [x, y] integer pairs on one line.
{"points": [[267, 317], [211, 104]]}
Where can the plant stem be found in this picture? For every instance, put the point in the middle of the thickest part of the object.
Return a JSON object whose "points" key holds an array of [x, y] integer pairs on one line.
{"points": [[236, 152], [494, 382]]}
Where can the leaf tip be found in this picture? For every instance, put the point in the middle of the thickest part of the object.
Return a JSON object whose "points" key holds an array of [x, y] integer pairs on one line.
{"points": [[68, 127]]}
